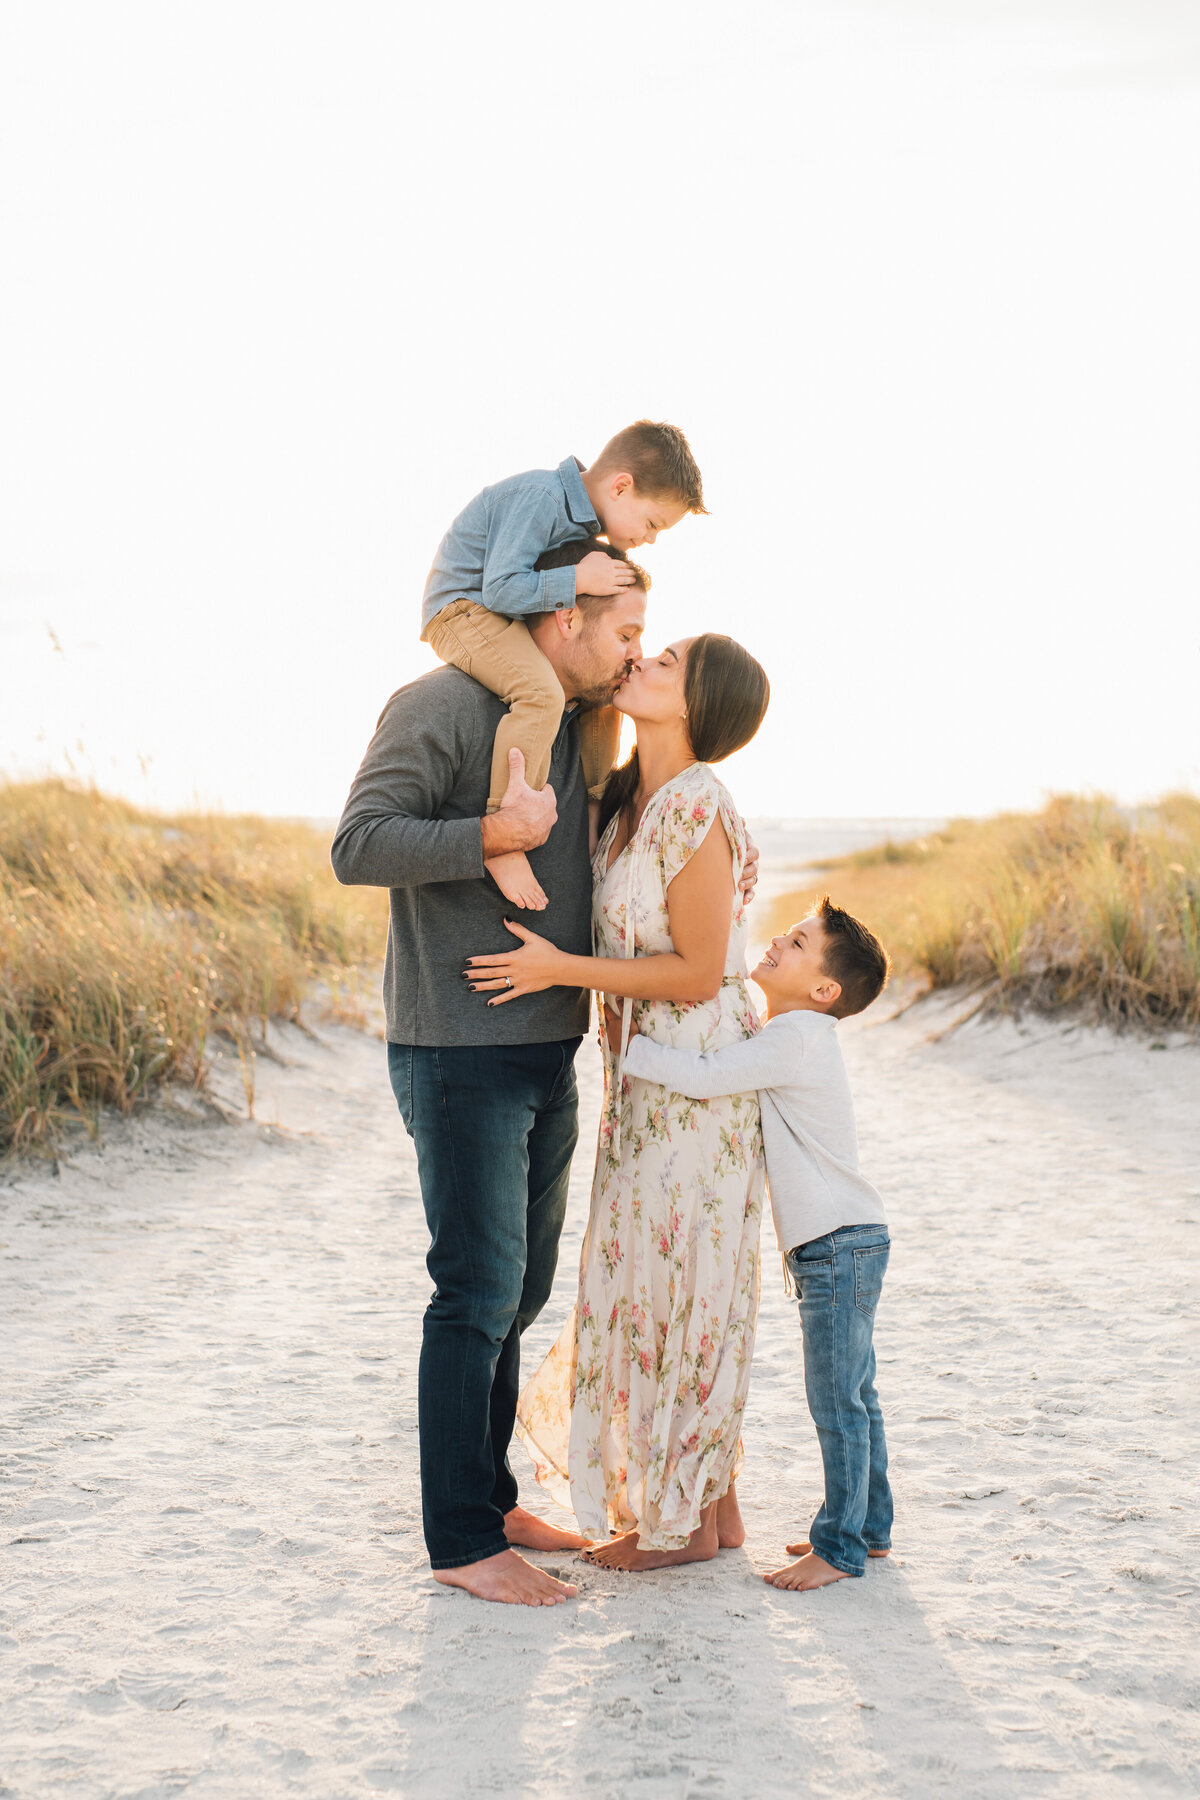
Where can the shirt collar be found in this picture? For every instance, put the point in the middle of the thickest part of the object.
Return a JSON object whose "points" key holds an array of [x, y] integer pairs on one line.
{"points": [[579, 507]]}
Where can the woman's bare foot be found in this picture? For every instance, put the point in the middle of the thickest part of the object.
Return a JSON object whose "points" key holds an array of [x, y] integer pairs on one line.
{"points": [[803, 1548], [623, 1552], [531, 1533], [516, 880], [731, 1533], [809, 1572], [508, 1578]]}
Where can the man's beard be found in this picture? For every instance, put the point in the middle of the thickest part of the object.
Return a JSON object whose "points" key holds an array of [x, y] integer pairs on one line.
{"points": [[601, 693], [593, 688]]}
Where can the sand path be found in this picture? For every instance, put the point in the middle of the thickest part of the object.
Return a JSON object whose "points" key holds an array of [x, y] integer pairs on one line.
{"points": [[213, 1575]]}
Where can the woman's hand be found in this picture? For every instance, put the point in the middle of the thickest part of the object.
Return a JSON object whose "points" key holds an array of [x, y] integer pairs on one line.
{"points": [[535, 965], [749, 880]]}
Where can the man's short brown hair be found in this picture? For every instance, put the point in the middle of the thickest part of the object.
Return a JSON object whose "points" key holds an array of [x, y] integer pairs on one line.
{"points": [[659, 458], [853, 956], [565, 556]]}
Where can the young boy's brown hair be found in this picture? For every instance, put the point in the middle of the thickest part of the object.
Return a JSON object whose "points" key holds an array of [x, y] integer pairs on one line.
{"points": [[659, 458]]}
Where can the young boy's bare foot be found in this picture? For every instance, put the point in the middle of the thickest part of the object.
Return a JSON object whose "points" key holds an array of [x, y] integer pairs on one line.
{"points": [[508, 1578], [516, 880], [731, 1533], [803, 1548], [623, 1552], [809, 1572], [531, 1533]]}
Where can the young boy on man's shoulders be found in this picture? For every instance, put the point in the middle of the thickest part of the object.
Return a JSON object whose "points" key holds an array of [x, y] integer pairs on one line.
{"points": [[490, 576]]}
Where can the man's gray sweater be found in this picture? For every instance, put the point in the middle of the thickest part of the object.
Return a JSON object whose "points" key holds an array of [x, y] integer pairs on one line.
{"points": [[412, 824]]}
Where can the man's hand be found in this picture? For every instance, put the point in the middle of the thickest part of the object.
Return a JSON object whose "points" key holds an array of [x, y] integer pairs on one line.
{"points": [[749, 880], [612, 1029], [525, 818], [599, 573]]}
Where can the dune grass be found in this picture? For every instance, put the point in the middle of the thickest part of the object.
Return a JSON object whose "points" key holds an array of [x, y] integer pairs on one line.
{"points": [[1085, 907], [126, 939]]}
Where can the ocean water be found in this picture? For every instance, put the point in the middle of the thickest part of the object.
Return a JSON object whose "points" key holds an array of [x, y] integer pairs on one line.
{"points": [[792, 850]]}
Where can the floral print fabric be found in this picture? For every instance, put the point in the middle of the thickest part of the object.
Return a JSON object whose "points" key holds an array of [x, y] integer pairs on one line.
{"points": [[634, 1418]]}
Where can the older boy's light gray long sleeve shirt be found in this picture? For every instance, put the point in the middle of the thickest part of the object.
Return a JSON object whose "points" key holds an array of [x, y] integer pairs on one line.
{"points": [[809, 1135]]}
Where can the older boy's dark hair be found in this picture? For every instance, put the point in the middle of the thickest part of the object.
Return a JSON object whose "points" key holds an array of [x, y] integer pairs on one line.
{"points": [[659, 458], [854, 957], [565, 556]]}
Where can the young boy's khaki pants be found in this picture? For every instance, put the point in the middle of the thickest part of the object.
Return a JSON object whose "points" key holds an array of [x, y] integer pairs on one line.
{"points": [[502, 656]]}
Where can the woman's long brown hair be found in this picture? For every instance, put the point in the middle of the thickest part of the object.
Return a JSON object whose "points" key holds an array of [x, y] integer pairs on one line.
{"points": [[726, 694]]}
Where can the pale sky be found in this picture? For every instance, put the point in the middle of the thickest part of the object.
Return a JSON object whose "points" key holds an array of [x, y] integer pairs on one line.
{"points": [[284, 286]]}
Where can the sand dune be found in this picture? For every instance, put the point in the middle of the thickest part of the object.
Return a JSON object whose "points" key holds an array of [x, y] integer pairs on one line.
{"points": [[213, 1574]]}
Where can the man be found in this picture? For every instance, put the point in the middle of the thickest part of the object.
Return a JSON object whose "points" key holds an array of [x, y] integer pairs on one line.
{"points": [[486, 1093]]}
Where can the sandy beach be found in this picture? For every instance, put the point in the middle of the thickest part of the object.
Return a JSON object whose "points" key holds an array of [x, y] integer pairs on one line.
{"points": [[892, 420], [214, 1580]]}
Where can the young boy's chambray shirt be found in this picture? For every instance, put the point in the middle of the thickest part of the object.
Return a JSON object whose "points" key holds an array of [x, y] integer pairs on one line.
{"points": [[489, 552]]}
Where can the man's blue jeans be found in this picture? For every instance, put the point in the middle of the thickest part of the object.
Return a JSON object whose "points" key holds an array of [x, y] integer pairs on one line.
{"points": [[494, 1126], [838, 1280]]}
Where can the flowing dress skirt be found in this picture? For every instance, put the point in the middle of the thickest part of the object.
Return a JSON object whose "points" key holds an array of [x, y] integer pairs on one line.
{"points": [[634, 1418]]}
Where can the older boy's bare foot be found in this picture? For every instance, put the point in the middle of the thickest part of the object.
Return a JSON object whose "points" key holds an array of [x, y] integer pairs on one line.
{"points": [[623, 1552], [809, 1572], [508, 1578], [531, 1533], [516, 880], [731, 1533], [803, 1548]]}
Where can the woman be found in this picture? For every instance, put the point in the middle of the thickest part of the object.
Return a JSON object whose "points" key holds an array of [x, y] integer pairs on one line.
{"points": [[638, 1407]]}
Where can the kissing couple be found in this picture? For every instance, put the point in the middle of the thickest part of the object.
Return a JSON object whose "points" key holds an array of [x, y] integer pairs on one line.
{"points": [[637, 1410], [638, 879]]}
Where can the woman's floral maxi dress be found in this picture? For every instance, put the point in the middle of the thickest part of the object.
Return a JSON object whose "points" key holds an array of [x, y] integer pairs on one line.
{"points": [[634, 1418]]}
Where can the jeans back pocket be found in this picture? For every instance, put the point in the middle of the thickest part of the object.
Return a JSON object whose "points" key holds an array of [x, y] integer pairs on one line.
{"points": [[870, 1266]]}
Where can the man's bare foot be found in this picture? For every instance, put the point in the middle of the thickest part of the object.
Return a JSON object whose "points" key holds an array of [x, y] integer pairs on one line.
{"points": [[516, 880], [623, 1552], [809, 1572], [731, 1533], [531, 1533], [804, 1547], [508, 1578]]}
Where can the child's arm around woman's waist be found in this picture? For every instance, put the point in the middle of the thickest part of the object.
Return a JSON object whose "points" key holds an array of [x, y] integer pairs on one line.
{"points": [[771, 1059]]}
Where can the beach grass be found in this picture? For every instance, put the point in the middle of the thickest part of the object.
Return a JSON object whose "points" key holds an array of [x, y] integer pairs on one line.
{"points": [[1085, 908], [127, 939]]}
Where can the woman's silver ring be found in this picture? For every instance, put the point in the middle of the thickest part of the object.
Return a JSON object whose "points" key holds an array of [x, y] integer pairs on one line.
{"points": [[508, 981]]}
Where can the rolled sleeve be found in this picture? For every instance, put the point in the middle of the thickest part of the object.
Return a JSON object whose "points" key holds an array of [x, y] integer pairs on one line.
{"points": [[559, 591], [520, 527]]}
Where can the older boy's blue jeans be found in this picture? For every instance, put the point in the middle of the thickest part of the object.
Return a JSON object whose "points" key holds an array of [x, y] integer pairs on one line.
{"points": [[838, 1280], [494, 1126]]}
